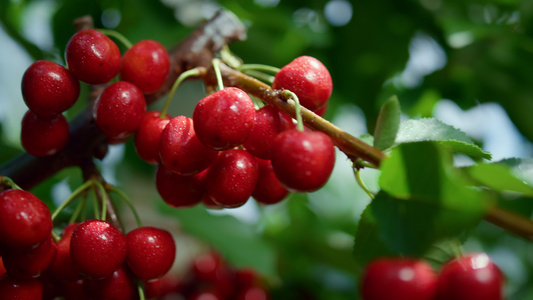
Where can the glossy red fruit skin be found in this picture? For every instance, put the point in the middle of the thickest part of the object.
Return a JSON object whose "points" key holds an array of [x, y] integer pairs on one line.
{"points": [[253, 293], [2, 268], [28, 214], [120, 109], [49, 89], [30, 263], [180, 191], [19, 289], [146, 65], [119, 286], [92, 57], [473, 276], [231, 179], [148, 135], [224, 119], [268, 189], [97, 249], [181, 151], [398, 278], [268, 123], [43, 136], [303, 160], [62, 268], [308, 78], [150, 253]]}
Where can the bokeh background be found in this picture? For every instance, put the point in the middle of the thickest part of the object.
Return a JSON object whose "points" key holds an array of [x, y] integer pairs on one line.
{"points": [[467, 63]]}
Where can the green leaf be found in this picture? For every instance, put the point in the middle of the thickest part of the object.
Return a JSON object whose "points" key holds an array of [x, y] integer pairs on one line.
{"points": [[368, 244], [429, 129], [424, 199], [387, 124], [238, 242], [522, 168], [503, 176]]}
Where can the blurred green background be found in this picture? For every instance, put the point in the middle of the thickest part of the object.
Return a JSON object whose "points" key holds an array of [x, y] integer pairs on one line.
{"points": [[467, 63]]}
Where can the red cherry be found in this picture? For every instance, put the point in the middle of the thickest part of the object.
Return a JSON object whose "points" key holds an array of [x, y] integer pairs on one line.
{"points": [[2, 268], [49, 89], [206, 295], [43, 136], [120, 109], [224, 119], [148, 135], [62, 267], [268, 189], [473, 276], [119, 286], [146, 65], [92, 57], [97, 248], [12, 288], [253, 293], [398, 278], [25, 220], [303, 160], [30, 263], [269, 122], [180, 191], [150, 253], [72, 289], [181, 151], [308, 78], [231, 179]]}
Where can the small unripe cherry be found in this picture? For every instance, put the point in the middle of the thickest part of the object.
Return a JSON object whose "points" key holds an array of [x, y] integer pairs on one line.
{"points": [[25, 220], [308, 78], [92, 56], [181, 151], [224, 119], [43, 136], [303, 160], [120, 109], [150, 252], [148, 136], [49, 89], [97, 248], [146, 64]]}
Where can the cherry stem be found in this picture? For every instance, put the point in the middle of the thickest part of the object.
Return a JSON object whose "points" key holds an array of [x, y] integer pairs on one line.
{"points": [[199, 71], [259, 75], [55, 236], [126, 199], [72, 196], [229, 58], [4, 180], [258, 67], [290, 95], [120, 37], [140, 290], [79, 208], [98, 185], [216, 67], [360, 182]]}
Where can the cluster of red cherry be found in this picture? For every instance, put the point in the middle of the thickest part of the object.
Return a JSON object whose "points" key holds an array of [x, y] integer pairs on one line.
{"points": [[471, 276], [92, 260], [229, 151], [210, 277]]}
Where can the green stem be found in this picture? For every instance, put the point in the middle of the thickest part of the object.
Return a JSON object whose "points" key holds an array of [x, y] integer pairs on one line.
{"points": [[95, 205], [229, 58], [357, 174], [290, 95], [121, 38], [72, 196], [55, 236], [216, 67], [260, 75], [140, 290], [77, 211], [9, 182], [189, 73], [258, 67], [128, 202], [103, 194]]}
